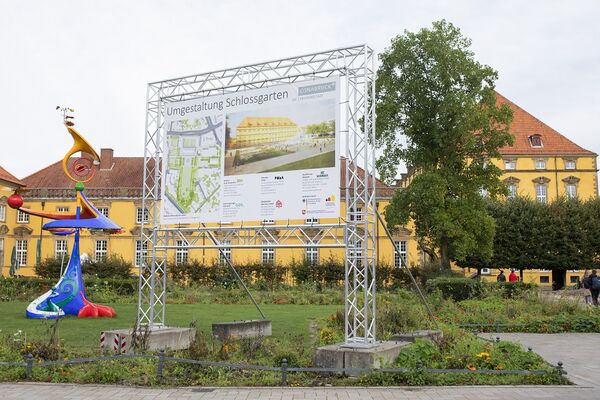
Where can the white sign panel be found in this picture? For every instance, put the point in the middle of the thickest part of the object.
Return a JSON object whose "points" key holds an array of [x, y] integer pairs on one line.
{"points": [[269, 153]]}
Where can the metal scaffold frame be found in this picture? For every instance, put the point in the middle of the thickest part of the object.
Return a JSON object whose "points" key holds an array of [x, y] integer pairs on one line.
{"points": [[356, 68]]}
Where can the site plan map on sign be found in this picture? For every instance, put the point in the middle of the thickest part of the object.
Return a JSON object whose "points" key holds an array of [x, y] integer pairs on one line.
{"points": [[195, 164]]}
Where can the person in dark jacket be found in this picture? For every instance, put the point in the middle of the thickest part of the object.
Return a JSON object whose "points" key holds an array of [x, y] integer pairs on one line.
{"points": [[594, 283], [501, 277], [586, 286]]}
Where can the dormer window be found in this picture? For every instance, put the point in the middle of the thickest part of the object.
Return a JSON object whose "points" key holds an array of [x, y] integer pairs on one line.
{"points": [[535, 141]]}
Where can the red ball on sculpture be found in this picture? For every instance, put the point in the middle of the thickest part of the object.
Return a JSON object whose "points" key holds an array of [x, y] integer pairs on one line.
{"points": [[15, 201]]}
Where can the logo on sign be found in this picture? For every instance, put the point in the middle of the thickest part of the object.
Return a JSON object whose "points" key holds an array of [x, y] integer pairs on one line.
{"points": [[278, 204]]}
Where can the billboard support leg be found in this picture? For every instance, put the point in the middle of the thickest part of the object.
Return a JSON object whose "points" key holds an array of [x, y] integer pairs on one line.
{"points": [[237, 275]]}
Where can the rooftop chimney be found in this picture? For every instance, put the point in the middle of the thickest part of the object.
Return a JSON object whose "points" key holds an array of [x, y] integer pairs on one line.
{"points": [[106, 159]]}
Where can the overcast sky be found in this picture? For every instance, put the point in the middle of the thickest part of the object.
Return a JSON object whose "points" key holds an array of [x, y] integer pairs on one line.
{"points": [[98, 56]]}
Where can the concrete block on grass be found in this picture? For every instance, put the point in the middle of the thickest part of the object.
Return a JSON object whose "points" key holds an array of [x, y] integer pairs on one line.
{"points": [[167, 338], [226, 331], [340, 356]]}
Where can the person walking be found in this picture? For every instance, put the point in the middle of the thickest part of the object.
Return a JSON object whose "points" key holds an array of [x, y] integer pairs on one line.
{"points": [[501, 277], [512, 277], [587, 286], [594, 281]]}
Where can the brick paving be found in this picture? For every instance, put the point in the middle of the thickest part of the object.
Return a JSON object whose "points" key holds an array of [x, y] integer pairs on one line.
{"points": [[580, 353], [36, 391]]}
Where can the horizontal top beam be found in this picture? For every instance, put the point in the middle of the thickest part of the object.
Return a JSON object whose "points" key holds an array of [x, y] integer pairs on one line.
{"points": [[353, 50]]}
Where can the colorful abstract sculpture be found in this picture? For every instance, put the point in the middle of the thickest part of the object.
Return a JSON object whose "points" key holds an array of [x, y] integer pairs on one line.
{"points": [[68, 297]]}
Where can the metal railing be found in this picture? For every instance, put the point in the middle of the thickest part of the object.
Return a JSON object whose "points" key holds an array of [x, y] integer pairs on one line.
{"points": [[284, 369]]}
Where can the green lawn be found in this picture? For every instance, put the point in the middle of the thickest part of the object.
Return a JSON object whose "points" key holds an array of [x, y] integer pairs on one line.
{"points": [[321, 161], [85, 332]]}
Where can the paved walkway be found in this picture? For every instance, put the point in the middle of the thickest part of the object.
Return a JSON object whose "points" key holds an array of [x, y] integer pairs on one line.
{"points": [[34, 391], [270, 163], [580, 353]]}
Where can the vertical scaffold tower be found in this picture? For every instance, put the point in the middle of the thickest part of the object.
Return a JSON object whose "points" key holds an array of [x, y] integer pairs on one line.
{"points": [[356, 68]]}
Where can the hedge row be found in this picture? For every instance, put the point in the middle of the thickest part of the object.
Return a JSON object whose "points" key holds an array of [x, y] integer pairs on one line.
{"points": [[27, 289], [464, 288], [113, 266], [329, 273]]}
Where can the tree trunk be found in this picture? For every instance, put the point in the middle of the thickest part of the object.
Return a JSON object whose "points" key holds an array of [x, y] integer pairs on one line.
{"points": [[444, 256]]}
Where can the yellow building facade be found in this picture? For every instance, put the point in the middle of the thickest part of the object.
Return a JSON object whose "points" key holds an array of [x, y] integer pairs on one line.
{"points": [[9, 238], [544, 165], [541, 164], [48, 190]]}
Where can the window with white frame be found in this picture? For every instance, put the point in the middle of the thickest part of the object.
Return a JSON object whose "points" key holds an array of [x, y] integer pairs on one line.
{"points": [[60, 248], [141, 213], [268, 222], [1, 252], [21, 252], [571, 189], [356, 214], [103, 211], [485, 271], [268, 254], [356, 252], [312, 255], [141, 251], [512, 190], [225, 254], [541, 193], [22, 218], [400, 245], [310, 221], [101, 250], [484, 192], [510, 164], [2, 212], [62, 209], [181, 252], [570, 164], [540, 164]]}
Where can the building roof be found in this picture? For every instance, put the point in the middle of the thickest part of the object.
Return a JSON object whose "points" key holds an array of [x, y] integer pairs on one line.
{"points": [[124, 179], [10, 178], [525, 125], [382, 190]]}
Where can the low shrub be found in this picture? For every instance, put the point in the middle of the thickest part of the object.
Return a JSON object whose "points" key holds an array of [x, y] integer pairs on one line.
{"points": [[457, 289], [51, 267], [510, 290], [113, 266]]}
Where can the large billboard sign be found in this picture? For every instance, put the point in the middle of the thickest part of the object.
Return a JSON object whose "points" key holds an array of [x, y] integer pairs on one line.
{"points": [[270, 153]]}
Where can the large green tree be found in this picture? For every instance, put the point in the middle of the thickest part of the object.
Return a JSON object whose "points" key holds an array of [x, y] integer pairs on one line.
{"points": [[437, 112]]}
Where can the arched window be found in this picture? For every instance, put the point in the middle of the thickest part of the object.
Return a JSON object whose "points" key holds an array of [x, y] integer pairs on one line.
{"points": [[571, 186], [512, 184], [541, 189]]}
